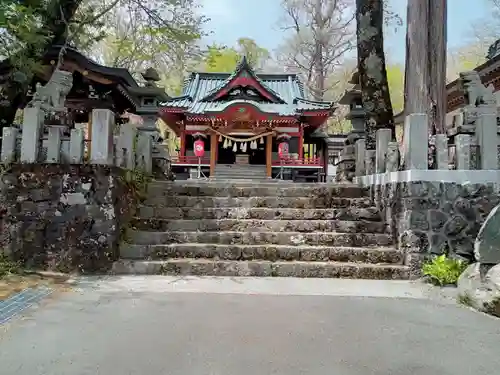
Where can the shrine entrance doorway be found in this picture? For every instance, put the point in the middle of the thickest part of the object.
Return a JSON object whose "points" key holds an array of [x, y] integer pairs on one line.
{"points": [[242, 152]]}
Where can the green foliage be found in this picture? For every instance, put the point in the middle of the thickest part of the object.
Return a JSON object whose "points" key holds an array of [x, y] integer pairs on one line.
{"points": [[21, 36], [7, 266], [222, 59], [160, 33], [396, 81], [338, 125], [443, 271], [123, 33], [137, 181]]}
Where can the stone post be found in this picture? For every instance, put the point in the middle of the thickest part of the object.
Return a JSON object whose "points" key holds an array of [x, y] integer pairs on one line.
{"points": [[76, 146], [54, 145], [415, 141], [125, 147], [9, 143], [442, 159], [382, 139], [360, 157], [463, 151], [145, 152], [31, 134], [347, 164], [487, 140], [370, 162], [101, 150]]}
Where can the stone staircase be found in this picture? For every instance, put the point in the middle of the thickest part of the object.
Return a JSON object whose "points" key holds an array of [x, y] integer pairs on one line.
{"points": [[232, 172], [259, 229]]}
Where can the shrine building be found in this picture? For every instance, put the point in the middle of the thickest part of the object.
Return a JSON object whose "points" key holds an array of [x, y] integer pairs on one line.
{"points": [[244, 119], [98, 86]]}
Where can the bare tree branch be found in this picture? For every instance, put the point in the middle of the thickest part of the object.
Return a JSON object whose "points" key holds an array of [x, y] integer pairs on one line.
{"points": [[320, 34]]}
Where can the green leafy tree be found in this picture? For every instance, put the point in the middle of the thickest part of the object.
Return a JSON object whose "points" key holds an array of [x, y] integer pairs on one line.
{"points": [[396, 81], [220, 59], [27, 30], [224, 59], [157, 31]]}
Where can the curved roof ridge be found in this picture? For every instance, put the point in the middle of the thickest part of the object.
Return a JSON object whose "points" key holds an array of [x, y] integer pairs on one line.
{"points": [[243, 64]]}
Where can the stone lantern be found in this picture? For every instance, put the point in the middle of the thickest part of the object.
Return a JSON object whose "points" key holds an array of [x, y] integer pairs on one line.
{"points": [[347, 156], [353, 99], [149, 98]]}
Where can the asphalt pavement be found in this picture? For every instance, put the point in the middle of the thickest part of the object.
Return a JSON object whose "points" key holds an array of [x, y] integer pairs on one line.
{"points": [[214, 326]]}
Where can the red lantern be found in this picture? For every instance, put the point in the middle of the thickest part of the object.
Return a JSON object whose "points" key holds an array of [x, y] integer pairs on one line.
{"points": [[199, 148], [283, 150]]}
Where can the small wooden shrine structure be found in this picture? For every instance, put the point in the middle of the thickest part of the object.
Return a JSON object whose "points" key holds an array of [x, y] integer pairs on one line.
{"points": [[244, 117], [96, 86]]}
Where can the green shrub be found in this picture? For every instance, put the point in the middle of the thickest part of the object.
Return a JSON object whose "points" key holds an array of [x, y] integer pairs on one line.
{"points": [[443, 270], [7, 266]]}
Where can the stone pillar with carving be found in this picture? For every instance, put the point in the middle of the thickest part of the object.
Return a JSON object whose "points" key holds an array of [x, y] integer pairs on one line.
{"points": [[479, 100]]}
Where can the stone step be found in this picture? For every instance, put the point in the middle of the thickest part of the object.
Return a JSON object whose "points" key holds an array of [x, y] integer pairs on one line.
{"points": [[241, 174], [249, 183], [208, 267], [252, 225], [241, 169], [262, 252], [261, 238], [348, 213], [255, 179], [256, 190], [256, 201], [230, 167], [230, 179]]}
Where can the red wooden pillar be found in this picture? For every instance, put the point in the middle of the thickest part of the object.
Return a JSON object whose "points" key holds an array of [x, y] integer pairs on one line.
{"points": [[183, 145], [269, 155], [213, 153], [301, 143]]}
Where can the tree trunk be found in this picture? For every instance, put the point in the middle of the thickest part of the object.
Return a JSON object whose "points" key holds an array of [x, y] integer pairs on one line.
{"points": [[320, 73], [437, 64], [15, 92], [372, 71], [425, 70]]}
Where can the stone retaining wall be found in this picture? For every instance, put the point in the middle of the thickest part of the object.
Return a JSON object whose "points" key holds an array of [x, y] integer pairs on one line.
{"points": [[62, 217], [432, 218]]}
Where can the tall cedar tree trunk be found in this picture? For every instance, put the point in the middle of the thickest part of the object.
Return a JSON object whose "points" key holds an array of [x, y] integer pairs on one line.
{"points": [[372, 71], [319, 67], [425, 68], [437, 59], [320, 74], [57, 29]]}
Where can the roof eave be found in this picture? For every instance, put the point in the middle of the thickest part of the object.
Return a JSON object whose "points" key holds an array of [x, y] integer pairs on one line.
{"points": [[79, 58], [243, 65]]}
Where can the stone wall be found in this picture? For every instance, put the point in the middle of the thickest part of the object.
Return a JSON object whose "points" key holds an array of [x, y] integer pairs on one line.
{"points": [[433, 218], [63, 217]]}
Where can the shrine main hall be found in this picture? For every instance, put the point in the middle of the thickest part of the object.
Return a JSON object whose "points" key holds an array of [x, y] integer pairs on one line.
{"points": [[242, 118]]}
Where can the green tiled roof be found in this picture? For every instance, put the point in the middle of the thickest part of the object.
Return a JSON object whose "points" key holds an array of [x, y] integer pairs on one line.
{"points": [[287, 88]]}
